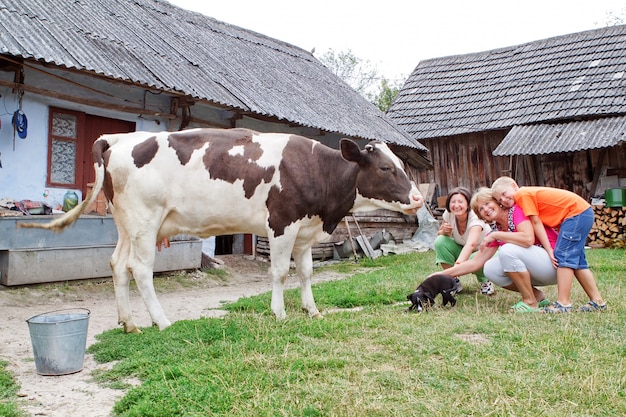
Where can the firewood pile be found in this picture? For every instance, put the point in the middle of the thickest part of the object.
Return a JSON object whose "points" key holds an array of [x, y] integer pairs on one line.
{"points": [[609, 227]]}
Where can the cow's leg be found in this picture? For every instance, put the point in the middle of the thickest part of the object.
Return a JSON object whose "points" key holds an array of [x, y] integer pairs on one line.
{"points": [[141, 265], [121, 281], [304, 268], [279, 271], [280, 256]]}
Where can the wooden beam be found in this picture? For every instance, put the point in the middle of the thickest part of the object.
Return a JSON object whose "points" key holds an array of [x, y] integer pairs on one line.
{"points": [[596, 173], [86, 101]]}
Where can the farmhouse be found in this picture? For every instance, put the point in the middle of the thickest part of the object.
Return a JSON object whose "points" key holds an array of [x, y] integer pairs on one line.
{"points": [[71, 71], [550, 112]]}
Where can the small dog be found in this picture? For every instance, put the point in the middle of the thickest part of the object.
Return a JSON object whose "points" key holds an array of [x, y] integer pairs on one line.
{"points": [[424, 296]]}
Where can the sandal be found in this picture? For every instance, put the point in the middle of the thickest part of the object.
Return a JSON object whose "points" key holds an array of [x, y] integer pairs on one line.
{"points": [[557, 307], [522, 307], [544, 303], [592, 306]]}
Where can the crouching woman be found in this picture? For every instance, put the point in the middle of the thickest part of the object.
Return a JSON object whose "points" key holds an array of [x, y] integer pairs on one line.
{"points": [[522, 264]]}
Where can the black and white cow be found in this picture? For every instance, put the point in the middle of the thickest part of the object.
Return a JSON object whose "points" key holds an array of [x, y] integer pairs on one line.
{"points": [[208, 182]]}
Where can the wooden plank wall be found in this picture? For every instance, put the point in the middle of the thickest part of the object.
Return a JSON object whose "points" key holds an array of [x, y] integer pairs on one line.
{"points": [[467, 161]]}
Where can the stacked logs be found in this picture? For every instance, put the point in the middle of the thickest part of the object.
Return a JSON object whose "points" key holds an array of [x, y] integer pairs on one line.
{"points": [[609, 227]]}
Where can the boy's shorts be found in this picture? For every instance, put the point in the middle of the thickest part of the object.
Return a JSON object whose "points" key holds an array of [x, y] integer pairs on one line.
{"points": [[570, 245]]}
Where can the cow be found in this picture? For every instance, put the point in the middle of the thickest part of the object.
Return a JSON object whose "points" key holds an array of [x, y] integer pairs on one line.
{"points": [[210, 182]]}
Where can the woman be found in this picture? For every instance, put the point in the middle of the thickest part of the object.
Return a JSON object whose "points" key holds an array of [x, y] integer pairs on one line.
{"points": [[460, 235], [522, 264]]}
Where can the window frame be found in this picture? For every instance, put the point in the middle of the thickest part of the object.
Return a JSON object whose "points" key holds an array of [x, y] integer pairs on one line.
{"points": [[78, 142]]}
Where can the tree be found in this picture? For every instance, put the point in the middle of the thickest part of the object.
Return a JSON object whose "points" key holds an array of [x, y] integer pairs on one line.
{"points": [[358, 73], [386, 94], [362, 76]]}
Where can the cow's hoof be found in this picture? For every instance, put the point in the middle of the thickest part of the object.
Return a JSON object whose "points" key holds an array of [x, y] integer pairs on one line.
{"points": [[131, 329], [281, 315], [164, 325], [317, 315]]}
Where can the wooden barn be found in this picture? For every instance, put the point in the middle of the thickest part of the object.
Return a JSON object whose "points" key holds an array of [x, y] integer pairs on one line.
{"points": [[550, 112], [73, 70]]}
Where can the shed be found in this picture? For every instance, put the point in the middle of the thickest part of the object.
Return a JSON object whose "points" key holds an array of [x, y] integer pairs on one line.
{"points": [[549, 112]]}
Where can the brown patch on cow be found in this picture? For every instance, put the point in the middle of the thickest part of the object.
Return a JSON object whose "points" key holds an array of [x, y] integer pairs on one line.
{"points": [[107, 186], [101, 153], [145, 151], [185, 143], [325, 188], [237, 166], [97, 150]]}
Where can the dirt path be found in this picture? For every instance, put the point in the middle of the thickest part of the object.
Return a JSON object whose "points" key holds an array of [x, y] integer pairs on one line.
{"points": [[198, 295]]}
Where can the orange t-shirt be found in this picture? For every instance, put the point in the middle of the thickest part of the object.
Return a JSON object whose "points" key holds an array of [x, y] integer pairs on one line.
{"points": [[551, 205]]}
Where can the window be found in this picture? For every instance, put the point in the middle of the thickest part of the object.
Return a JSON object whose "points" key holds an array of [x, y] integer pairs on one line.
{"points": [[64, 148], [70, 137]]}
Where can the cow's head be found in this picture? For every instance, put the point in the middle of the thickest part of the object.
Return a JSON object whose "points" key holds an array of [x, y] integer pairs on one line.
{"points": [[381, 179]]}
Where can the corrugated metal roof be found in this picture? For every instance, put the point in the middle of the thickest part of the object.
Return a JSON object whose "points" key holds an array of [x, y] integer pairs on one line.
{"points": [[563, 137], [153, 43], [572, 76]]}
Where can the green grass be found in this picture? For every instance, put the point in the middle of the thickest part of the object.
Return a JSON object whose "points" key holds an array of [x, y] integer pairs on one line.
{"points": [[476, 359], [8, 394]]}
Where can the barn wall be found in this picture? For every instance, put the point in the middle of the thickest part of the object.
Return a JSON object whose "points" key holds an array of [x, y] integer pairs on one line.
{"points": [[467, 161], [464, 160]]}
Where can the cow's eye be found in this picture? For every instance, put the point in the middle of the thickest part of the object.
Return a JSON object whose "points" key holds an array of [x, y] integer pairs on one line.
{"points": [[385, 169]]}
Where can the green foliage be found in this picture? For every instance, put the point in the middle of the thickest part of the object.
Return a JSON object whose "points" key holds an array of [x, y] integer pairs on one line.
{"points": [[8, 394], [363, 77], [386, 95], [474, 359], [358, 73]]}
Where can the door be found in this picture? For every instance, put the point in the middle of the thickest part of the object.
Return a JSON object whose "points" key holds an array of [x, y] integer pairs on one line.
{"points": [[95, 126]]}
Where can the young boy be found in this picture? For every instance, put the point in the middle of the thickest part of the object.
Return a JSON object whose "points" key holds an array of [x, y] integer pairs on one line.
{"points": [[573, 217]]}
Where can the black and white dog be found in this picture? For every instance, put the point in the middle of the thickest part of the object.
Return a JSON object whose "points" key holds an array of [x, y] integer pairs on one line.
{"points": [[424, 296]]}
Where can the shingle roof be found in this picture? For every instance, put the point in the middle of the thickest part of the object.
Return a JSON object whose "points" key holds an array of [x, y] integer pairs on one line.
{"points": [[573, 76], [158, 45], [540, 139]]}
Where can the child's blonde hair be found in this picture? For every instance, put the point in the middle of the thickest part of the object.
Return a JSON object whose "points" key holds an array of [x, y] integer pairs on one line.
{"points": [[483, 194], [502, 183]]}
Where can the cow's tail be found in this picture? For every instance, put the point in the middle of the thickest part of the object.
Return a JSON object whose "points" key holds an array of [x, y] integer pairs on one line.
{"points": [[57, 225]]}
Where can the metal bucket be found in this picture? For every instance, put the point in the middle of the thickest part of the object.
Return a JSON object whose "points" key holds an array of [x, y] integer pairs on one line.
{"points": [[59, 340]]}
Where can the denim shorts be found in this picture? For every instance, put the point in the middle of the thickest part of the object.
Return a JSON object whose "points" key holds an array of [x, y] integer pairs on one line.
{"points": [[570, 245]]}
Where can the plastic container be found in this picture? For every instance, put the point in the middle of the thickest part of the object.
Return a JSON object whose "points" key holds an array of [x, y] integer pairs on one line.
{"points": [[59, 339], [70, 200], [615, 197]]}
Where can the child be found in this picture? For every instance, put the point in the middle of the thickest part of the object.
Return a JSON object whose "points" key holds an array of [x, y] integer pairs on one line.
{"points": [[573, 217]]}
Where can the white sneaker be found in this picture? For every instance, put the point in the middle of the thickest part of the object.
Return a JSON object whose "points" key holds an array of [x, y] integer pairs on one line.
{"points": [[486, 288]]}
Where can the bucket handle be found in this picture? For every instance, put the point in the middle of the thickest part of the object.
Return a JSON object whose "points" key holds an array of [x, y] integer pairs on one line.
{"points": [[58, 311]]}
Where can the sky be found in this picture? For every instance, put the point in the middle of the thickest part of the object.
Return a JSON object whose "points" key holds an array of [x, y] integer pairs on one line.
{"points": [[395, 35]]}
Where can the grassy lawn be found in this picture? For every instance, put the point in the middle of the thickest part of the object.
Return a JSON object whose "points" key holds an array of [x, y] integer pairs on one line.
{"points": [[8, 394], [476, 359]]}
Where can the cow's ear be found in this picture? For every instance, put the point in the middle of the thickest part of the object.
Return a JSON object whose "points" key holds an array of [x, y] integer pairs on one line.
{"points": [[350, 150]]}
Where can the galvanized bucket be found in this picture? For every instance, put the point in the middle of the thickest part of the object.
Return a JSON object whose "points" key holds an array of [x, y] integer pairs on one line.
{"points": [[59, 340]]}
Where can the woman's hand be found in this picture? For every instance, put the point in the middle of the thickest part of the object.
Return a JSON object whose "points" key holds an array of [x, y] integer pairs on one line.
{"points": [[487, 240], [445, 229]]}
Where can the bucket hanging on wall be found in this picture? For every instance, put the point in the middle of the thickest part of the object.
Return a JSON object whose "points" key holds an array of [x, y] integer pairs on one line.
{"points": [[59, 339], [615, 197]]}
